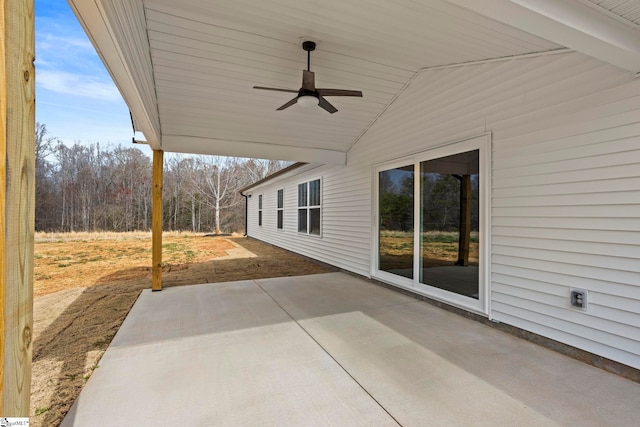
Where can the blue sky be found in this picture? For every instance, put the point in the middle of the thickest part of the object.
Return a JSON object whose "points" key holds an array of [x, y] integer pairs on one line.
{"points": [[75, 96]]}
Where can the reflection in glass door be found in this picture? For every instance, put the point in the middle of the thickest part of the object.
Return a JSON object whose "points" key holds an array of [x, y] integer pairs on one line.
{"points": [[429, 219], [449, 223], [396, 204]]}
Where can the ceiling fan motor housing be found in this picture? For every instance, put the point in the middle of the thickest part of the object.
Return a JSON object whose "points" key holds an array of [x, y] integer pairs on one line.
{"points": [[307, 92]]}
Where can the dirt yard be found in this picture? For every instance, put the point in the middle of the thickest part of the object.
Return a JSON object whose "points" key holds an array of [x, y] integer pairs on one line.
{"points": [[85, 284]]}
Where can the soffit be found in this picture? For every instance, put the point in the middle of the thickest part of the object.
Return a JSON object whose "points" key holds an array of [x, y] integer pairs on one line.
{"points": [[207, 56]]}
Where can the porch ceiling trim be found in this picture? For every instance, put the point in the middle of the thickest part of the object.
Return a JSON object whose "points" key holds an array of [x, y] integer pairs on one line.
{"points": [[201, 145], [570, 23]]}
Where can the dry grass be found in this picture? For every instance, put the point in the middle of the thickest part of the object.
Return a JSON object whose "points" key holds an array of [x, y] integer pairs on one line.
{"points": [[438, 249], [85, 236], [71, 260]]}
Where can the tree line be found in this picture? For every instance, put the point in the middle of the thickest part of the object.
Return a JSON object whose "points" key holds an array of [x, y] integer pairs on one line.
{"points": [[108, 188], [440, 201]]}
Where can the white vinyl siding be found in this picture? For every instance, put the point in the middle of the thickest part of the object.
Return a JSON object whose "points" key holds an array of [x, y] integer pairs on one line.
{"points": [[346, 224], [565, 206]]}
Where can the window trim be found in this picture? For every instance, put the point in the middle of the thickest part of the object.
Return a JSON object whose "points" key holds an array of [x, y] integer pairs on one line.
{"points": [[308, 208], [259, 210]]}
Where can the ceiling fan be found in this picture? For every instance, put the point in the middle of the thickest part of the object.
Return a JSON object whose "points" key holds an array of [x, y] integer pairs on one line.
{"points": [[308, 94]]}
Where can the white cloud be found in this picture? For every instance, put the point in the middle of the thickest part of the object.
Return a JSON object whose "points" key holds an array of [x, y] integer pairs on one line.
{"points": [[68, 53], [75, 96], [76, 84], [54, 41]]}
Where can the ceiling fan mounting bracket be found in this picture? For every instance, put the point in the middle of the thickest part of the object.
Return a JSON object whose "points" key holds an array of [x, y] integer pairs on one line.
{"points": [[309, 46]]}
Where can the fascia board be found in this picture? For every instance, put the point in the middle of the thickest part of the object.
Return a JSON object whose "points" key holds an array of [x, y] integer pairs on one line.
{"points": [[93, 18]]}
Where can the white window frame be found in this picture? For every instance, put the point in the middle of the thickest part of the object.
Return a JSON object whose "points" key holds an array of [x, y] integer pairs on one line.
{"points": [[260, 218], [308, 208], [279, 209]]}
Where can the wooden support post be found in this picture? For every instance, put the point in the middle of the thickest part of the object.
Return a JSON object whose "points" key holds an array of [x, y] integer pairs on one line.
{"points": [[156, 222], [465, 220], [17, 200]]}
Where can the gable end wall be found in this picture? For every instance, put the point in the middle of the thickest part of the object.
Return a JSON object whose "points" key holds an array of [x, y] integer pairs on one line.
{"points": [[565, 208]]}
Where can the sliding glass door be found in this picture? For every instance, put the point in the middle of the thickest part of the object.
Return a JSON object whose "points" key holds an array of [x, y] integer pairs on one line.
{"points": [[449, 221], [395, 231], [431, 224]]}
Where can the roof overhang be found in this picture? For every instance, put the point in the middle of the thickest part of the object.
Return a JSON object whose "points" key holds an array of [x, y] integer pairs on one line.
{"points": [[186, 69]]}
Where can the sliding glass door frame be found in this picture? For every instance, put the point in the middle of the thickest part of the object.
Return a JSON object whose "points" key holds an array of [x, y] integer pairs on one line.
{"points": [[480, 305]]}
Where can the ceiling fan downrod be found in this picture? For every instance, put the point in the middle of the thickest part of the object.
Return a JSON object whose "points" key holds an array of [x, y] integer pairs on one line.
{"points": [[309, 46]]}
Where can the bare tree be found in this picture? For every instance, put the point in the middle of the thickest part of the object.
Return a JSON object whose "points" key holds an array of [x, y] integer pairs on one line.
{"points": [[45, 188], [254, 170], [218, 184]]}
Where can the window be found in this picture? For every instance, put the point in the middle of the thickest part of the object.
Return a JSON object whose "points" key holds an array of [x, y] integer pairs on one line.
{"points": [[309, 207], [260, 210], [280, 210]]}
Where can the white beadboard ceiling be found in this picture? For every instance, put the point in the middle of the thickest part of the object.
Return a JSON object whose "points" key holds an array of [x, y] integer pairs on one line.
{"points": [[188, 68], [628, 10]]}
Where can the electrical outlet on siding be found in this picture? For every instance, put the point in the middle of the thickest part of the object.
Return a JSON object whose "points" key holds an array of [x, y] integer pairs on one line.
{"points": [[578, 299]]}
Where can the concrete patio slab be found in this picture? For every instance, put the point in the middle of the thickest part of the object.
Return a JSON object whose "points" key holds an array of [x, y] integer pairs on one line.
{"points": [[218, 355], [332, 349], [413, 383]]}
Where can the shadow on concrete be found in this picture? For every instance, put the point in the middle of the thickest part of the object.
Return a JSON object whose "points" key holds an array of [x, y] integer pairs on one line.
{"points": [[69, 348]]}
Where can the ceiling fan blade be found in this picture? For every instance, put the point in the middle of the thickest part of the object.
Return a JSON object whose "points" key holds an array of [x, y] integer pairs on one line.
{"points": [[288, 104], [339, 92], [308, 80], [326, 105], [276, 89]]}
